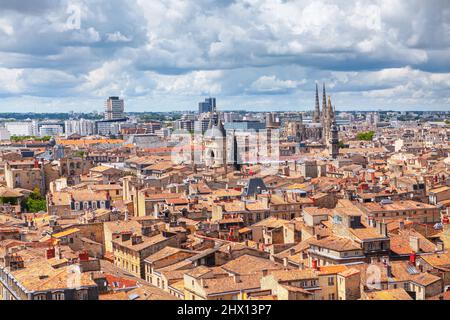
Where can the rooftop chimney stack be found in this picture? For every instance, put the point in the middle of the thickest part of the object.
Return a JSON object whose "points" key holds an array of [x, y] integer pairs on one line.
{"points": [[414, 243]]}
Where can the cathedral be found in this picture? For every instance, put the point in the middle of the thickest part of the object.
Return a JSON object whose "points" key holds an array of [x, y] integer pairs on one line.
{"points": [[322, 129]]}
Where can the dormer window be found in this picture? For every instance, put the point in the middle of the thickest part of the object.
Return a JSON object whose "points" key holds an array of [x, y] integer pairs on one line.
{"points": [[58, 296]]}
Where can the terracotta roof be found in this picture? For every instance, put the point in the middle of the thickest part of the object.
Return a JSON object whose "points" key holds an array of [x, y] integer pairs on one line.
{"points": [[336, 243], [231, 284], [248, 264], [392, 294], [293, 275]]}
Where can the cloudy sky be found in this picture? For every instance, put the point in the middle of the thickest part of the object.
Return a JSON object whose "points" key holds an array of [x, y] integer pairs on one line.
{"points": [[63, 55]]}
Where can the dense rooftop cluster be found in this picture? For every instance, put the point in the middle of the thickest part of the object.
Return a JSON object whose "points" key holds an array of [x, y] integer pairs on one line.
{"points": [[365, 219]]}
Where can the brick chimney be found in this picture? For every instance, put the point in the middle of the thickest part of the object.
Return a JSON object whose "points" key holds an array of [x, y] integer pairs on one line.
{"points": [[50, 253], [83, 256]]}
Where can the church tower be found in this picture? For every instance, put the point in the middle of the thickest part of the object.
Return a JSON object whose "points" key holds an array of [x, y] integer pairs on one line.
{"points": [[324, 116], [324, 105], [215, 142], [328, 120], [334, 141], [316, 117]]}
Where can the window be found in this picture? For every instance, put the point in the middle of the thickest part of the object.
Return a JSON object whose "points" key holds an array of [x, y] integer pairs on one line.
{"points": [[58, 296], [331, 281], [40, 297], [81, 295]]}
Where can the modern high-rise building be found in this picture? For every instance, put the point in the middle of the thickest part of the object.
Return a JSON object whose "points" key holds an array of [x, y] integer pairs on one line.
{"points": [[114, 108], [208, 106], [4, 134], [20, 129], [82, 127], [201, 125], [50, 130], [231, 116], [187, 125]]}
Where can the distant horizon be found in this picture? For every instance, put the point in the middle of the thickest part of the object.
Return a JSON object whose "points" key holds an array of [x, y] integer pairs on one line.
{"points": [[227, 110]]}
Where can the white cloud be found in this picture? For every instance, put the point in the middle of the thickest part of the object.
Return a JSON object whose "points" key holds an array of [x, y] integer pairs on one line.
{"points": [[273, 85], [10, 81], [374, 52], [195, 83]]}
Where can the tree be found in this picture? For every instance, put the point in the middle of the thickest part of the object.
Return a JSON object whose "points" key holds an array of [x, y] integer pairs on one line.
{"points": [[342, 145], [365, 136], [36, 202]]}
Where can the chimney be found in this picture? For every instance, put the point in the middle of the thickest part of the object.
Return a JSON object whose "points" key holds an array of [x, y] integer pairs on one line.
{"points": [[50, 253], [135, 239], [389, 270], [145, 231], [412, 258], [58, 253], [83, 256], [265, 272], [440, 246], [291, 252], [414, 243], [401, 225], [382, 228], [237, 278], [156, 208], [285, 262], [125, 236]]}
